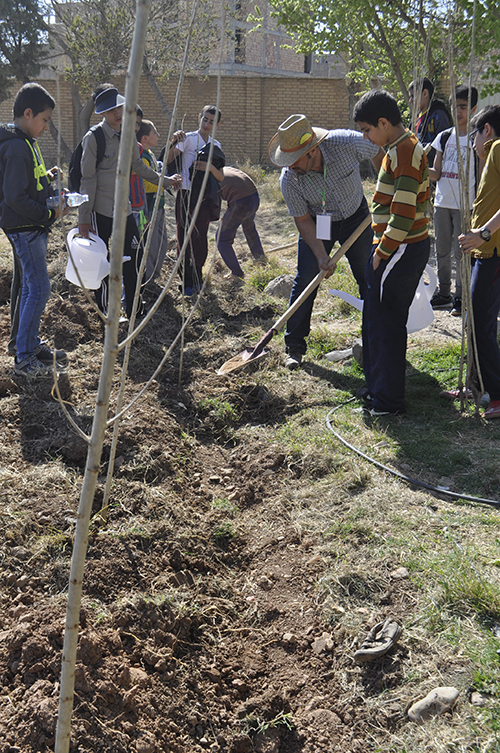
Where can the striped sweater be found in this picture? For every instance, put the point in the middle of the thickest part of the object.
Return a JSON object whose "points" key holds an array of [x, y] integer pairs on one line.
{"points": [[400, 202]]}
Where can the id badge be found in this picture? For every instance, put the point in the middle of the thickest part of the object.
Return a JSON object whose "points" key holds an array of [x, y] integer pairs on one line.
{"points": [[323, 227]]}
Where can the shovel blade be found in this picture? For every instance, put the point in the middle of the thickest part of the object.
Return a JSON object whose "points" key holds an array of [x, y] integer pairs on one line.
{"points": [[240, 361]]}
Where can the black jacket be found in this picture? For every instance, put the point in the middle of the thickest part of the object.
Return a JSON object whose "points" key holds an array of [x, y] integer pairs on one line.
{"points": [[23, 196]]}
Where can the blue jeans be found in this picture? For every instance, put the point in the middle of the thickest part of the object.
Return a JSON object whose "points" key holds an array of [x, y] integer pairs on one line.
{"points": [[241, 212], [389, 292], [31, 249], [485, 289], [15, 299], [299, 324]]}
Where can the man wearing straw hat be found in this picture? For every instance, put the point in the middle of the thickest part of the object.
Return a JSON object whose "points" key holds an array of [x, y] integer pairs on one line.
{"points": [[322, 188]]}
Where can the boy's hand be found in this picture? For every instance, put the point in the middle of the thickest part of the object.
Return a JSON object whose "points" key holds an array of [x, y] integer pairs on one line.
{"points": [[470, 240], [178, 136], [200, 165], [54, 172], [58, 212], [84, 229]]}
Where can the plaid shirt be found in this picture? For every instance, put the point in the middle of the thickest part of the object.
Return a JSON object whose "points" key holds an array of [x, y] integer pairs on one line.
{"points": [[342, 151]]}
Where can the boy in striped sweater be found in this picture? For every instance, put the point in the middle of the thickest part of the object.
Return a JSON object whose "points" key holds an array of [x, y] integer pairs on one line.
{"points": [[400, 248]]}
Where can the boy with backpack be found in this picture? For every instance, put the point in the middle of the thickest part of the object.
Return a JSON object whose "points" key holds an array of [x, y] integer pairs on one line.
{"points": [[98, 181], [448, 205], [25, 219]]}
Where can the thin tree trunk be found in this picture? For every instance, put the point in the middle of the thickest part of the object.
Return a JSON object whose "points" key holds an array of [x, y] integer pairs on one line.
{"points": [[66, 696]]}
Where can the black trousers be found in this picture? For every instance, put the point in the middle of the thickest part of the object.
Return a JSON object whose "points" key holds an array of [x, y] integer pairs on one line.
{"points": [[132, 247]]}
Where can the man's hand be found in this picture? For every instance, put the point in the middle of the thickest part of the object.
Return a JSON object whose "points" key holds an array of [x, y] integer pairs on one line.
{"points": [[175, 181], [326, 263], [84, 229], [470, 240]]}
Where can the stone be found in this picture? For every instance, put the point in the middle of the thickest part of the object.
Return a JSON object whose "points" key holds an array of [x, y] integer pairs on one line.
{"points": [[265, 583], [280, 287], [400, 573], [138, 676], [320, 645], [357, 352], [213, 674], [435, 703], [289, 638], [478, 699]]}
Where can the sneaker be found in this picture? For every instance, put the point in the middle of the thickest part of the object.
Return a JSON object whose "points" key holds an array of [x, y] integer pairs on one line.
{"points": [[46, 355], [439, 301], [31, 367], [493, 411], [457, 307], [293, 361]]}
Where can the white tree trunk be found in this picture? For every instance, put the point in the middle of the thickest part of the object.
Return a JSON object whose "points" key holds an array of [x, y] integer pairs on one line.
{"points": [[63, 730]]}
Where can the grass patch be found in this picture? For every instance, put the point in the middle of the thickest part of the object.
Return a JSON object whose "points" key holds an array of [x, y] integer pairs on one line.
{"points": [[260, 276]]}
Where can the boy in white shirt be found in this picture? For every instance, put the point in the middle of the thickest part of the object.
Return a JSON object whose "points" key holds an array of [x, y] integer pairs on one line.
{"points": [[189, 144], [447, 206]]}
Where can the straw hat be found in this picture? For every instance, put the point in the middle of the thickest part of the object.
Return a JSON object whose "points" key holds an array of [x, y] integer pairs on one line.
{"points": [[295, 137]]}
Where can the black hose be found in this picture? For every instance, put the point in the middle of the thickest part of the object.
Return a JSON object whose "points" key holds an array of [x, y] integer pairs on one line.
{"points": [[398, 474]]}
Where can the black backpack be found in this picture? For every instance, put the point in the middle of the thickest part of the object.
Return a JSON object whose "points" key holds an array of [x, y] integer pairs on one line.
{"points": [[212, 195], [75, 166]]}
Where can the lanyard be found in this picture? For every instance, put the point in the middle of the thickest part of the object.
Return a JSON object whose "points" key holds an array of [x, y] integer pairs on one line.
{"points": [[40, 171], [322, 193]]}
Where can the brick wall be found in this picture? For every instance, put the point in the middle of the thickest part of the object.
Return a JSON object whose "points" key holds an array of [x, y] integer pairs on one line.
{"points": [[252, 108]]}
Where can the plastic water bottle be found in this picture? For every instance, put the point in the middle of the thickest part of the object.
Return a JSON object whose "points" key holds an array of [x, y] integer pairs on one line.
{"points": [[71, 200], [53, 201], [76, 199]]}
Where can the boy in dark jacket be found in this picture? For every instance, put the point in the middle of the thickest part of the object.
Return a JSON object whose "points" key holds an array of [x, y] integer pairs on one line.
{"points": [[25, 219]]}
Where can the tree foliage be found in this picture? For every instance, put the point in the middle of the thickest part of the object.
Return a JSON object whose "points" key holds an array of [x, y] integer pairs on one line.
{"points": [[22, 42], [99, 34], [395, 41]]}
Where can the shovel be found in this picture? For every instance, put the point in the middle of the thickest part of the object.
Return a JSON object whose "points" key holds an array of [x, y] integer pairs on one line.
{"points": [[260, 350]]}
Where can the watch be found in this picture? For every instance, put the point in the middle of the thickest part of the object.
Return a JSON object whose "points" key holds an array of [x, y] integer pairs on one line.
{"points": [[485, 234]]}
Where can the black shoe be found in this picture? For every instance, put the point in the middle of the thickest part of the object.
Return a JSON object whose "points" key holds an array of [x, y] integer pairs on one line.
{"points": [[46, 355], [439, 301], [364, 394], [457, 307]]}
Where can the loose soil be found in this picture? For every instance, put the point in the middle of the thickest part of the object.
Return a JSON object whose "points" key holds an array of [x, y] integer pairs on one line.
{"points": [[201, 626]]}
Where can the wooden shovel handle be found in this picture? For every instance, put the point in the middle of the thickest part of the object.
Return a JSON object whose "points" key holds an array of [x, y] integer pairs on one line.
{"points": [[321, 274]]}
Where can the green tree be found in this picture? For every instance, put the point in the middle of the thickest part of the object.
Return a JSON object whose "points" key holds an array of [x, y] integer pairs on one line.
{"points": [[22, 42], [395, 40], [97, 36]]}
